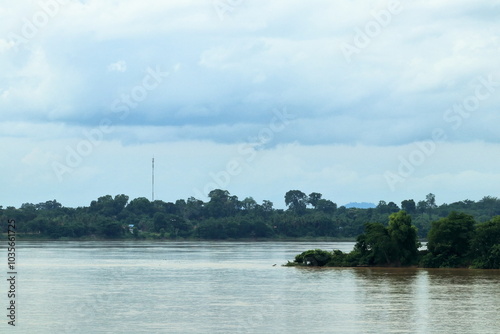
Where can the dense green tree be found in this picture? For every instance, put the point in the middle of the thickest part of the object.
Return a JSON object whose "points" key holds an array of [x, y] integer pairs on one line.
{"points": [[135, 232], [109, 217], [396, 244], [423, 225], [375, 245], [28, 206], [326, 206], [102, 204], [490, 205], [485, 247], [177, 226], [221, 204], [212, 229], [194, 208], [403, 235], [314, 198], [314, 257], [111, 229], [267, 206], [159, 221], [382, 206], [261, 230], [120, 202], [385, 208], [449, 240], [108, 206], [422, 206], [408, 206], [430, 200], [248, 204], [296, 201], [392, 207], [165, 207], [180, 206], [140, 206], [49, 205], [28, 212]]}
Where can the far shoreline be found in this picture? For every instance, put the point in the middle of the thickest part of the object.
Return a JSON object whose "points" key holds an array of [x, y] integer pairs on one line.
{"points": [[24, 237]]}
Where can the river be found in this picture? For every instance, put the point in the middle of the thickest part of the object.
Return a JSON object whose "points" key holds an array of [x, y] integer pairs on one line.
{"points": [[236, 287]]}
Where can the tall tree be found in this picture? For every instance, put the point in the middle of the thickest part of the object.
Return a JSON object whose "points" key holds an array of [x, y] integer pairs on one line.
{"points": [[392, 207], [382, 207], [422, 207], [267, 206], [120, 202], [248, 204], [194, 208], [217, 206], [490, 205], [430, 200], [375, 245], [314, 199], [296, 201], [221, 204], [449, 239], [404, 238], [140, 206], [408, 205], [485, 247], [326, 206]]}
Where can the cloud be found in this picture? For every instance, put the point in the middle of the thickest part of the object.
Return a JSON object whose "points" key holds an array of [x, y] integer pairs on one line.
{"points": [[5, 45], [235, 72], [119, 66], [227, 76]]}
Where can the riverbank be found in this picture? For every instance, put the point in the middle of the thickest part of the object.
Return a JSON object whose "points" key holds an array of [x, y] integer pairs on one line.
{"points": [[157, 237]]}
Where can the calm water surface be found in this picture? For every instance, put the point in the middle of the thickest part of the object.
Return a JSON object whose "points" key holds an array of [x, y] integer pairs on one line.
{"points": [[233, 287]]}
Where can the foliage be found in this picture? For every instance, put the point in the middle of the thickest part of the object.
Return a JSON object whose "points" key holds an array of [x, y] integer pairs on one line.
{"points": [[296, 201], [384, 235], [454, 241], [394, 245], [314, 257], [375, 245], [408, 206], [225, 216], [485, 246], [403, 237], [449, 240]]}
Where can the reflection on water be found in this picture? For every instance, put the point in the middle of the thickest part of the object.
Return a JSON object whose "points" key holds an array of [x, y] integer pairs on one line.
{"points": [[233, 287]]}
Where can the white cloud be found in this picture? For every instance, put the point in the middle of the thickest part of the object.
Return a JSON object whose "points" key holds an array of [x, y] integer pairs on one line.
{"points": [[352, 120], [6, 45], [119, 66]]}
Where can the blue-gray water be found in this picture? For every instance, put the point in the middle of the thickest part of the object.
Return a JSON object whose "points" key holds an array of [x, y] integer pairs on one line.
{"points": [[233, 287]]}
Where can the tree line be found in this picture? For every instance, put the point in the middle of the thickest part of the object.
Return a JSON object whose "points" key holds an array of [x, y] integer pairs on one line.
{"points": [[225, 216], [455, 241]]}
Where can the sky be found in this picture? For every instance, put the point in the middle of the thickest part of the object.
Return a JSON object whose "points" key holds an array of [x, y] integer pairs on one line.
{"points": [[360, 101]]}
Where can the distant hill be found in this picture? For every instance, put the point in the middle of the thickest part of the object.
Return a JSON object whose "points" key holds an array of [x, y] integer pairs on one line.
{"points": [[362, 205]]}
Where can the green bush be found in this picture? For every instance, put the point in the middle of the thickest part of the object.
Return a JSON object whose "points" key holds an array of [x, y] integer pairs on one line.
{"points": [[314, 257]]}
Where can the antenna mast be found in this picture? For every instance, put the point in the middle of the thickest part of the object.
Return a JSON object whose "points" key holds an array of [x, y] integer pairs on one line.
{"points": [[153, 180]]}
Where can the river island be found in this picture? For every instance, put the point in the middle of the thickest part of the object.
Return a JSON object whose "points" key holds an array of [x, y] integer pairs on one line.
{"points": [[452, 242]]}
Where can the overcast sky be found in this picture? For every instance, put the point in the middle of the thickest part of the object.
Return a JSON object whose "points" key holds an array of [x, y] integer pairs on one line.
{"points": [[357, 100]]}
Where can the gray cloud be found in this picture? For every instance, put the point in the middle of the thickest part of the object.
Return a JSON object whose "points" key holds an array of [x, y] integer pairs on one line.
{"points": [[92, 61]]}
